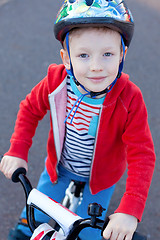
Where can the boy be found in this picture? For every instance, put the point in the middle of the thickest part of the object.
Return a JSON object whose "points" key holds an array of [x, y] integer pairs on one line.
{"points": [[98, 119]]}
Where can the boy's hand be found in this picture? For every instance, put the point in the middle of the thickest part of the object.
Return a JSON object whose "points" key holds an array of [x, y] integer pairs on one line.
{"points": [[9, 164], [121, 226]]}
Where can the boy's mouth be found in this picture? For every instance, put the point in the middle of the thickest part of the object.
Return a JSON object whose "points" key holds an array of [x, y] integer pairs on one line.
{"points": [[97, 79]]}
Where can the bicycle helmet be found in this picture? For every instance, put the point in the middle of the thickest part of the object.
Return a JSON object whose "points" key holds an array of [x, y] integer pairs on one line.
{"points": [[113, 14]]}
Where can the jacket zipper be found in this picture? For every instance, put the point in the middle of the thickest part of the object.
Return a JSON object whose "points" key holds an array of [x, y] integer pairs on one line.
{"points": [[100, 113], [54, 118]]}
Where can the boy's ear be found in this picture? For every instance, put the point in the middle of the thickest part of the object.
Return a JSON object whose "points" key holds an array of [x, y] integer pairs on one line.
{"points": [[65, 58], [126, 48]]}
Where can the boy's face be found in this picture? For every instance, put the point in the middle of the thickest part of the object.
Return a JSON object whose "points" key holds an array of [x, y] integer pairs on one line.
{"points": [[95, 57]]}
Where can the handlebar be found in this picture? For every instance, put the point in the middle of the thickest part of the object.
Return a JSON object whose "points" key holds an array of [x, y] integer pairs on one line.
{"points": [[20, 176], [74, 223], [16, 174]]}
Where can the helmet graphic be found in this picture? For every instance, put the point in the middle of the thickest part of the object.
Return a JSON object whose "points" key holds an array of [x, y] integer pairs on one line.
{"points": [[113, 14]]}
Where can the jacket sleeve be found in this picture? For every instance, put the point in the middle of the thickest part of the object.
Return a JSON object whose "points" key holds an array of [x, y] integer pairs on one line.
{"points": [[32, 110], [140, 158]]}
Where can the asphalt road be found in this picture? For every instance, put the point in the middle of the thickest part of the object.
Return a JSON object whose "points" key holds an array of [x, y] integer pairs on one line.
{"points": [[27, 47]]}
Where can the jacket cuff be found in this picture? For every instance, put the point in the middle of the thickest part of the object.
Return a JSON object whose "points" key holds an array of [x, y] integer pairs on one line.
{"points": [[18, 149], [131, 205]]}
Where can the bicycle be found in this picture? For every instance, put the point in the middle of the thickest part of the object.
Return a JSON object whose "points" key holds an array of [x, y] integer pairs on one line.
{"points": [[70, 224]]}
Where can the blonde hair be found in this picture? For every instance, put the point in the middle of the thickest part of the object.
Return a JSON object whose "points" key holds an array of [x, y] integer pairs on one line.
{"points": [[77, 31]]}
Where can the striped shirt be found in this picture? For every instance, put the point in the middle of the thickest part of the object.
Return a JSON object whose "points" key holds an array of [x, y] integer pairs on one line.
{"points": [[80, 134]]}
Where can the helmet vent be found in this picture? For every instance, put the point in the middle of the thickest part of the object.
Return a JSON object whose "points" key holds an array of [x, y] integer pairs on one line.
{"points": [[89, 2]]}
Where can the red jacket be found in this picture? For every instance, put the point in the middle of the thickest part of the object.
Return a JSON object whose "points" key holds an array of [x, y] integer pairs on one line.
{"points": [[123, 136]]}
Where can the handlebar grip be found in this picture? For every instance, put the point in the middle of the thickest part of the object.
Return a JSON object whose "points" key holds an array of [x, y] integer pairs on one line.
{"points": [[136, 235], [15, 175]]}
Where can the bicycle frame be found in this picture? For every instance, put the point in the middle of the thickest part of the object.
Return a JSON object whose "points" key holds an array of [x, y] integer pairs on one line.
{"points": [[73, 195], [70, 223]]}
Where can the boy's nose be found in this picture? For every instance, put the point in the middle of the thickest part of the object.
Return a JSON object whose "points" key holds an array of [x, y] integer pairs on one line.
{"points": [[95, 65]]}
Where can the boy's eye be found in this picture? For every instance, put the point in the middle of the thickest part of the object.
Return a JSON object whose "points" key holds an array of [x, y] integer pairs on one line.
{"points": [[108, 54], [84, 55]]}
